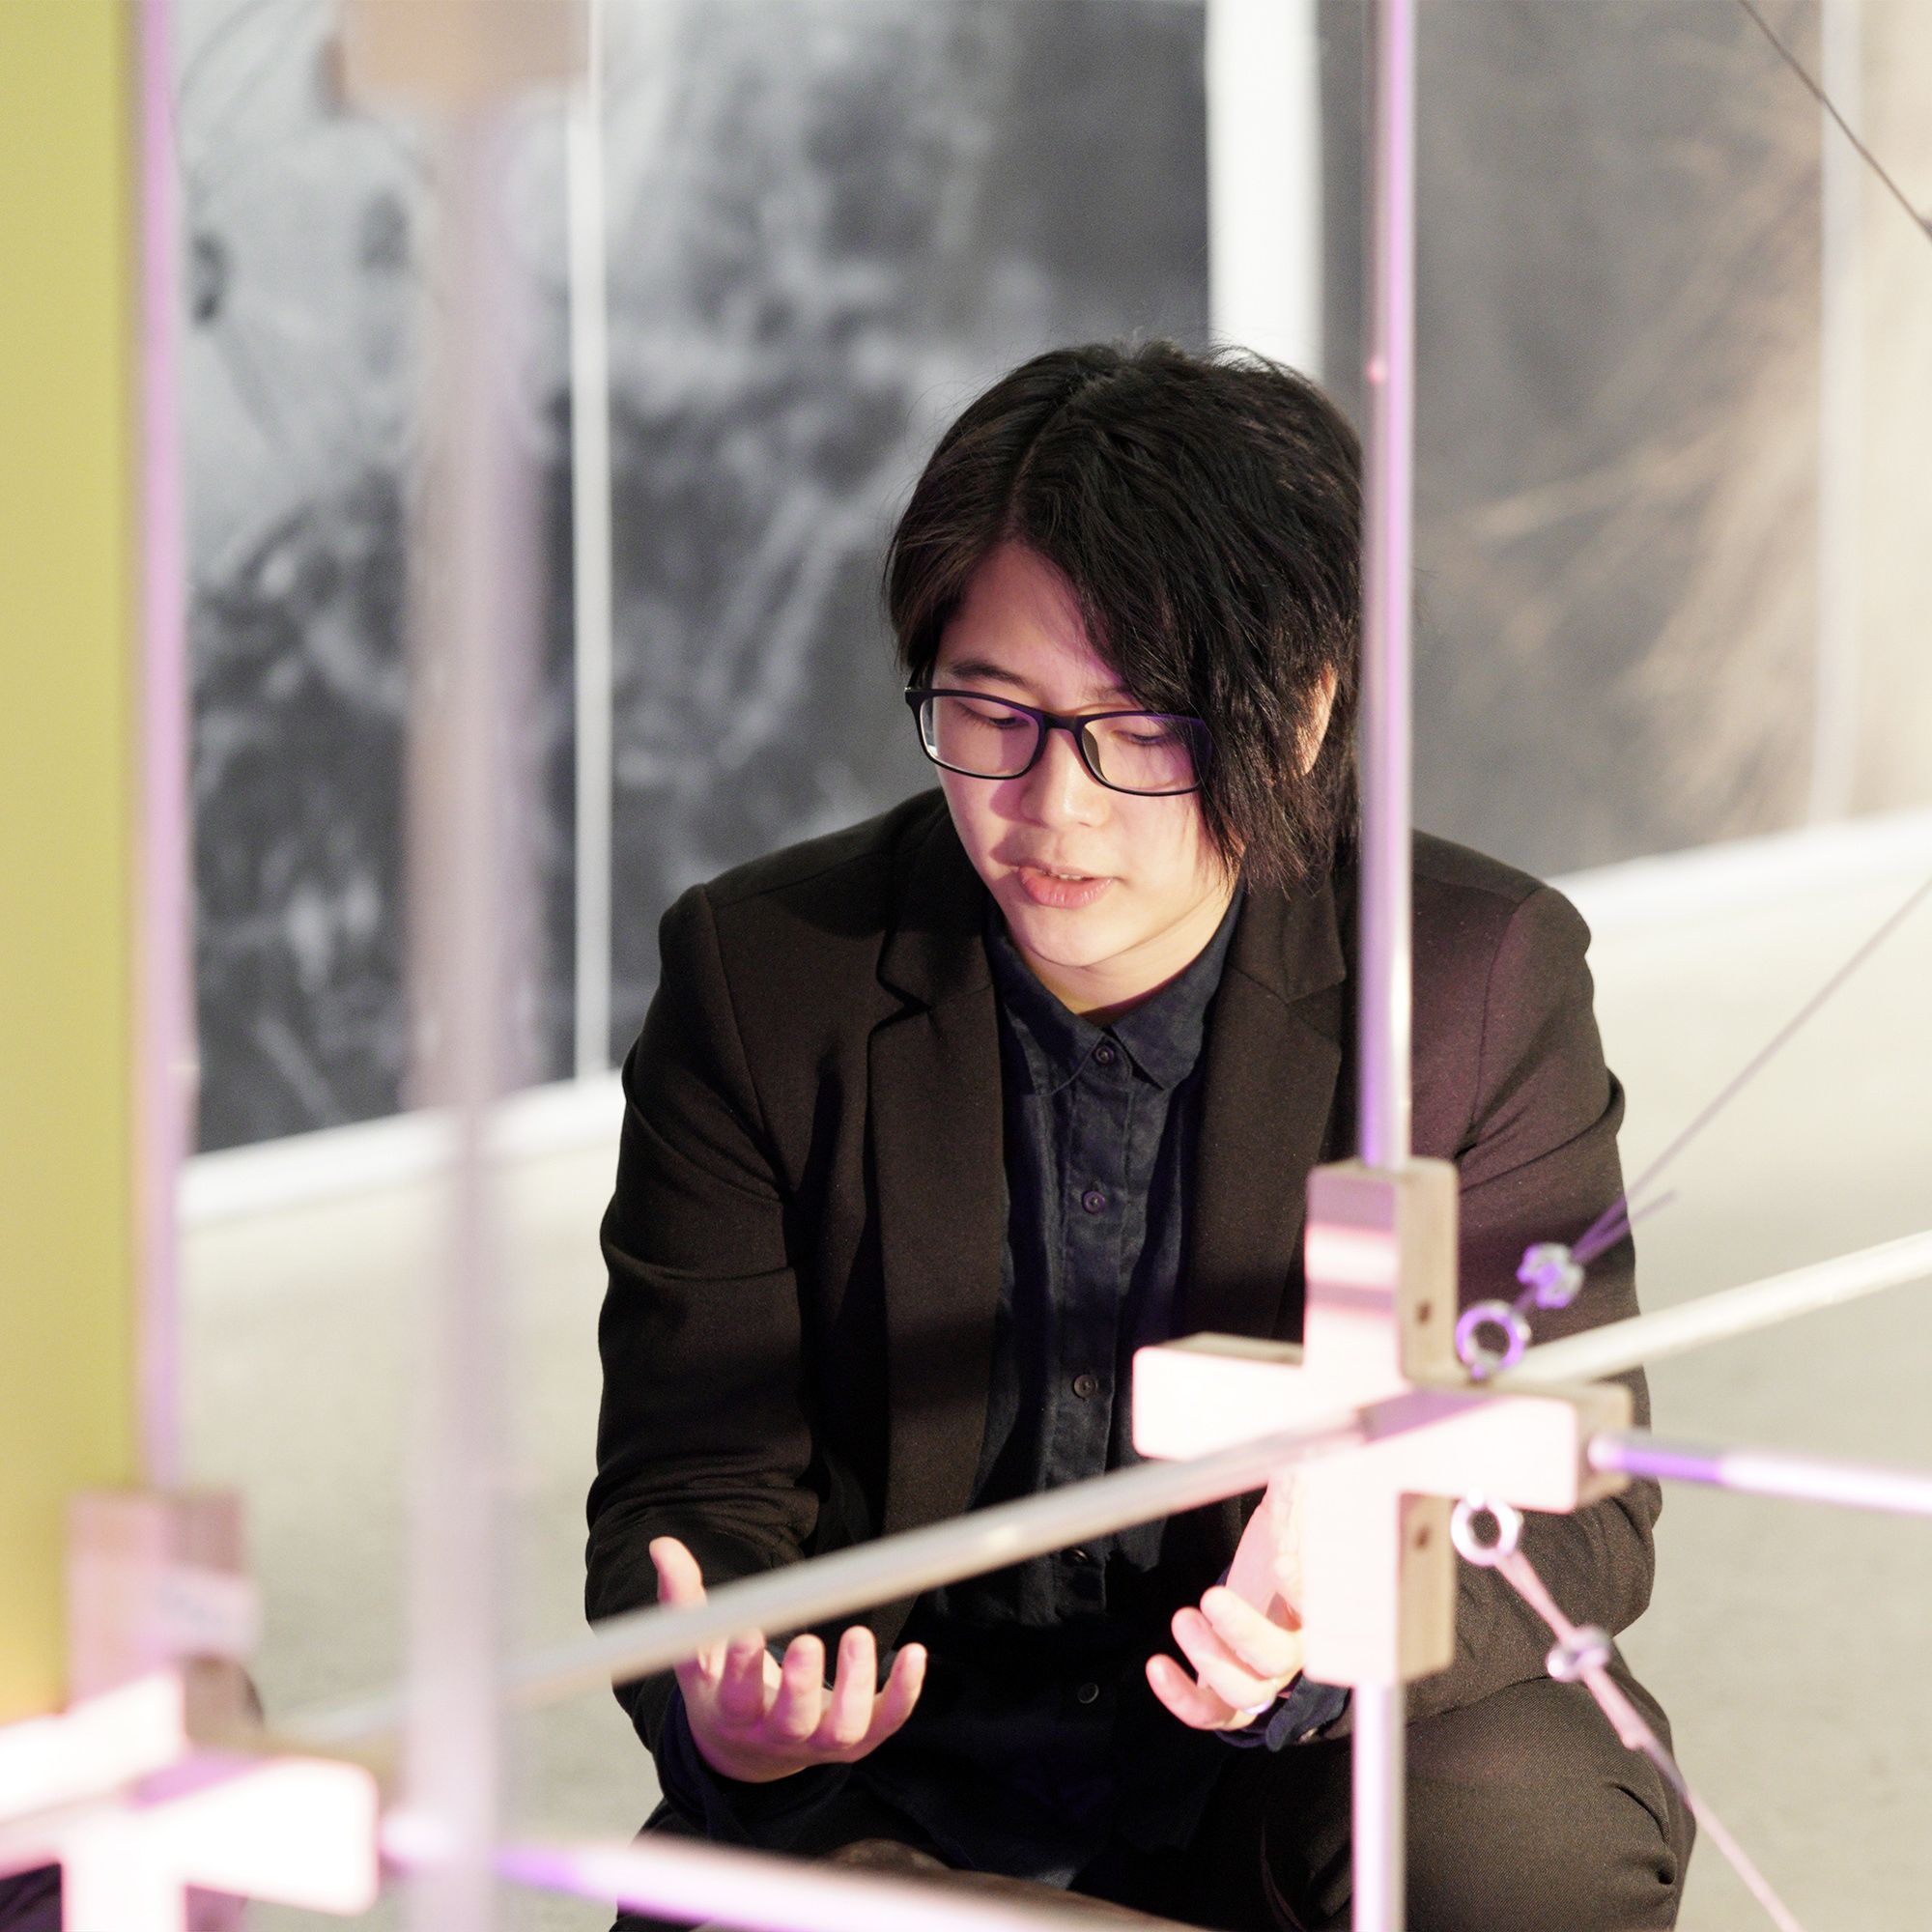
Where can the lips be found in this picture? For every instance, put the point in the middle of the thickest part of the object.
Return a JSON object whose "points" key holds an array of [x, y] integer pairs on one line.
{"points": [[1059, 888]]}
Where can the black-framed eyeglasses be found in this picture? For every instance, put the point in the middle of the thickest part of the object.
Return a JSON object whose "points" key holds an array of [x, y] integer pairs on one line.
{"points": [[1150, 754]]}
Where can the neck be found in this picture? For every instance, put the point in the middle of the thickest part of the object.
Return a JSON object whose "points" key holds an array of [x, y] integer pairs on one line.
{"points": [[1102, 992]]}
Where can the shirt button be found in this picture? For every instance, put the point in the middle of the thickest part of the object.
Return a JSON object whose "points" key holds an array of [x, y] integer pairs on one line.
{"points": [[1081, 1555], [1093, 1201], [1089, 1694], [1086, 1384], [1105, 1053]]}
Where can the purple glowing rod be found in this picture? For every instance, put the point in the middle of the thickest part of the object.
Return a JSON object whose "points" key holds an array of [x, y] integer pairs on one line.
{"points": [[165, 1080], [1382, 1042], [1766, 1472]]}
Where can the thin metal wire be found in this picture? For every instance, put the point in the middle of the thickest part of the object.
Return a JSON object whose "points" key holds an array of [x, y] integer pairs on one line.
{"points": [[1630, 1726], [1617, 1222], [1583, 1255], [1921, 221], [1604, 1232]]}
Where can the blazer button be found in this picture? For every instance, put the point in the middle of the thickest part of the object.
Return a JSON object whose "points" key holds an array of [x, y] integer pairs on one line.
{"points": [[1085, 1385], [1089, 1694]]}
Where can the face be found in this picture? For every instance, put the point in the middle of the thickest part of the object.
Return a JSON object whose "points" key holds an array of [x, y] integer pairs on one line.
{"points": [[1108, 896]]}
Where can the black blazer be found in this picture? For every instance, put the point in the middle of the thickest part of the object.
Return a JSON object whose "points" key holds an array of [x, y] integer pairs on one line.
{"points": [[804, 1242]]}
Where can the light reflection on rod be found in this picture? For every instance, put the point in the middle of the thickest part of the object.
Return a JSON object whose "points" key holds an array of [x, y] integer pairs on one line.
{"points": [[878, 1572]]}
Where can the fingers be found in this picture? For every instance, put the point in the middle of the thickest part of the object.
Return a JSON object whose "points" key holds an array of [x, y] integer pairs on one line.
{"points": [[848, 1710], [1188, 1701], [1219, 1669], [745, 1688], [800, 1702], [901, 1693], [1259, 1641]]}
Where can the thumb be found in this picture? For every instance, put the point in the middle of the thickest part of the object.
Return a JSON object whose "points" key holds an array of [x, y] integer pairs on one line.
{"points": [[680, 1581], [681, 1586]]}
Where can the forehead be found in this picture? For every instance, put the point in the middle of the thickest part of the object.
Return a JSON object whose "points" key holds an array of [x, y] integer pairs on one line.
{"points": [[1019, 626]]}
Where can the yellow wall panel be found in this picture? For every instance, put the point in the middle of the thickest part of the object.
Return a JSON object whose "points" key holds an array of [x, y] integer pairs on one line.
{"points": [[67, 624]]}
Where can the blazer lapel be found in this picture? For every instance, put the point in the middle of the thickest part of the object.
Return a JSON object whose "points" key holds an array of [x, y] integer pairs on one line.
{"points": [[936, 1130], [1273, 1057], [1274, 1051]]}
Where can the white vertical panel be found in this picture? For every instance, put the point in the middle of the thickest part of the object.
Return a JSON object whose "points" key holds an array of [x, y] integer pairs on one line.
{"points": [[590, 518], [1264, 177], [1840, 421]]}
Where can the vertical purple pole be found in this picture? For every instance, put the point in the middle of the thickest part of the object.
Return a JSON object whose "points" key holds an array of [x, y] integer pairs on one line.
{"points": [[471, 909], [164, 1065], [1383, 1041], [1387, 568]]}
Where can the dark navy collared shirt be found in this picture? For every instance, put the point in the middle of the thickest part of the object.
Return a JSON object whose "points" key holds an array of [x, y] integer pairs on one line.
{"points": [[1014, 1759]]}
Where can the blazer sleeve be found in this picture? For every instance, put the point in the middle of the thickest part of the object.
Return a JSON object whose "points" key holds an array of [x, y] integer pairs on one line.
{"points": [[1538, 1163], [703, 1433]]}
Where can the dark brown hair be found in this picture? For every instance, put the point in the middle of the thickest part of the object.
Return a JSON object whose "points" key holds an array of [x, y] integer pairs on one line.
{"points": [[1207, 512]]}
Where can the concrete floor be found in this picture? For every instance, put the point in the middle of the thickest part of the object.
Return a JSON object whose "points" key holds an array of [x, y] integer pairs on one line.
{"points": [[1786, 1640]]}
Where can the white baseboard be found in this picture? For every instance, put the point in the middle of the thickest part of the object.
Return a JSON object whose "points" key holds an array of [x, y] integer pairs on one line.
{"points": [[404, 1147], [1713, 881], [1707, 882]]}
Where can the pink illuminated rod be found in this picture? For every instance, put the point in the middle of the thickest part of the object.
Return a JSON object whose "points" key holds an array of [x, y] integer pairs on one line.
{"points": [[165, 1081], [117, 1794], [473, 640], [854, 1578], [1767, 1472], [1643, 1339], [1383, 1038], [1387, 601], [772, 1895]]}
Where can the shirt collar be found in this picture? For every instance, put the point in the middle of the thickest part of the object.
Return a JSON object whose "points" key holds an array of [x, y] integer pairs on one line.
{"points": [[1162, 1036]]}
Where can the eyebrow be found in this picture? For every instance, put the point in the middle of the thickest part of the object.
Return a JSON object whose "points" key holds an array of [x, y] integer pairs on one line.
{"points": [[984, 669]]}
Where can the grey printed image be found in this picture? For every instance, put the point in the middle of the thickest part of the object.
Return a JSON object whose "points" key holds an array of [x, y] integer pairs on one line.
{"points": [[829, 223]]}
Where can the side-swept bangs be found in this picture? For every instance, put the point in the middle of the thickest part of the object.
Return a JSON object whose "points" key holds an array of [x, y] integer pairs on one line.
{"points": [[1207, 513]]}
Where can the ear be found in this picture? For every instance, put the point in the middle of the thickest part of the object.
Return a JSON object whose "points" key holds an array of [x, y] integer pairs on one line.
{"points": [[1316, 728]]}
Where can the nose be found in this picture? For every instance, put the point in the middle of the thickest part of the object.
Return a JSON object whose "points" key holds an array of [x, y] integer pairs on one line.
{"points": [[1060, 790]]}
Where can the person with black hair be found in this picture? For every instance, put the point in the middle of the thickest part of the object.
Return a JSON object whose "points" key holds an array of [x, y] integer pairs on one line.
{"points": [[933, 1122]]}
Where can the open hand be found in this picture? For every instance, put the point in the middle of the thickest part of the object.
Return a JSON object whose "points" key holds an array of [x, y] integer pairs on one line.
{"points": [[757, 1721], [1244, 1640]]}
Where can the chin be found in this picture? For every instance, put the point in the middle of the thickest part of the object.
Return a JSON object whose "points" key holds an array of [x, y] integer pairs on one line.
{"points": [[1072, 939]]}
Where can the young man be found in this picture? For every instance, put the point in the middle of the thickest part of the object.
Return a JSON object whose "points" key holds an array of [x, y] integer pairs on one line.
{"points": [[934, 1122]]}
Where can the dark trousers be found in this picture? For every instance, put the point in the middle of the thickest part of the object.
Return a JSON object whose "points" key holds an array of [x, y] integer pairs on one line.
{"points": [[1525, 1815]]}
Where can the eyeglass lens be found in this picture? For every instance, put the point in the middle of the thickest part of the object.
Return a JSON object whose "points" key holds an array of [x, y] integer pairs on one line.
{"points": [[1135, 750]]}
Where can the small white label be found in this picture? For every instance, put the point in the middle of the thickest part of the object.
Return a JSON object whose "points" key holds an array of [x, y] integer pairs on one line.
{"points": [[208, 1612]]}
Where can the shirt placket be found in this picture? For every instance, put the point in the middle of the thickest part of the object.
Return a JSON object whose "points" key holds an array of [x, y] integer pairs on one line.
{"points": [[1095, 1185]]}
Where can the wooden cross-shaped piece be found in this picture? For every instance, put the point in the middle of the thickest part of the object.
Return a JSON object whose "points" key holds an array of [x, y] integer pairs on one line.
{"points": [[117, 1793], [1376, 1566], [126, 1791]]}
